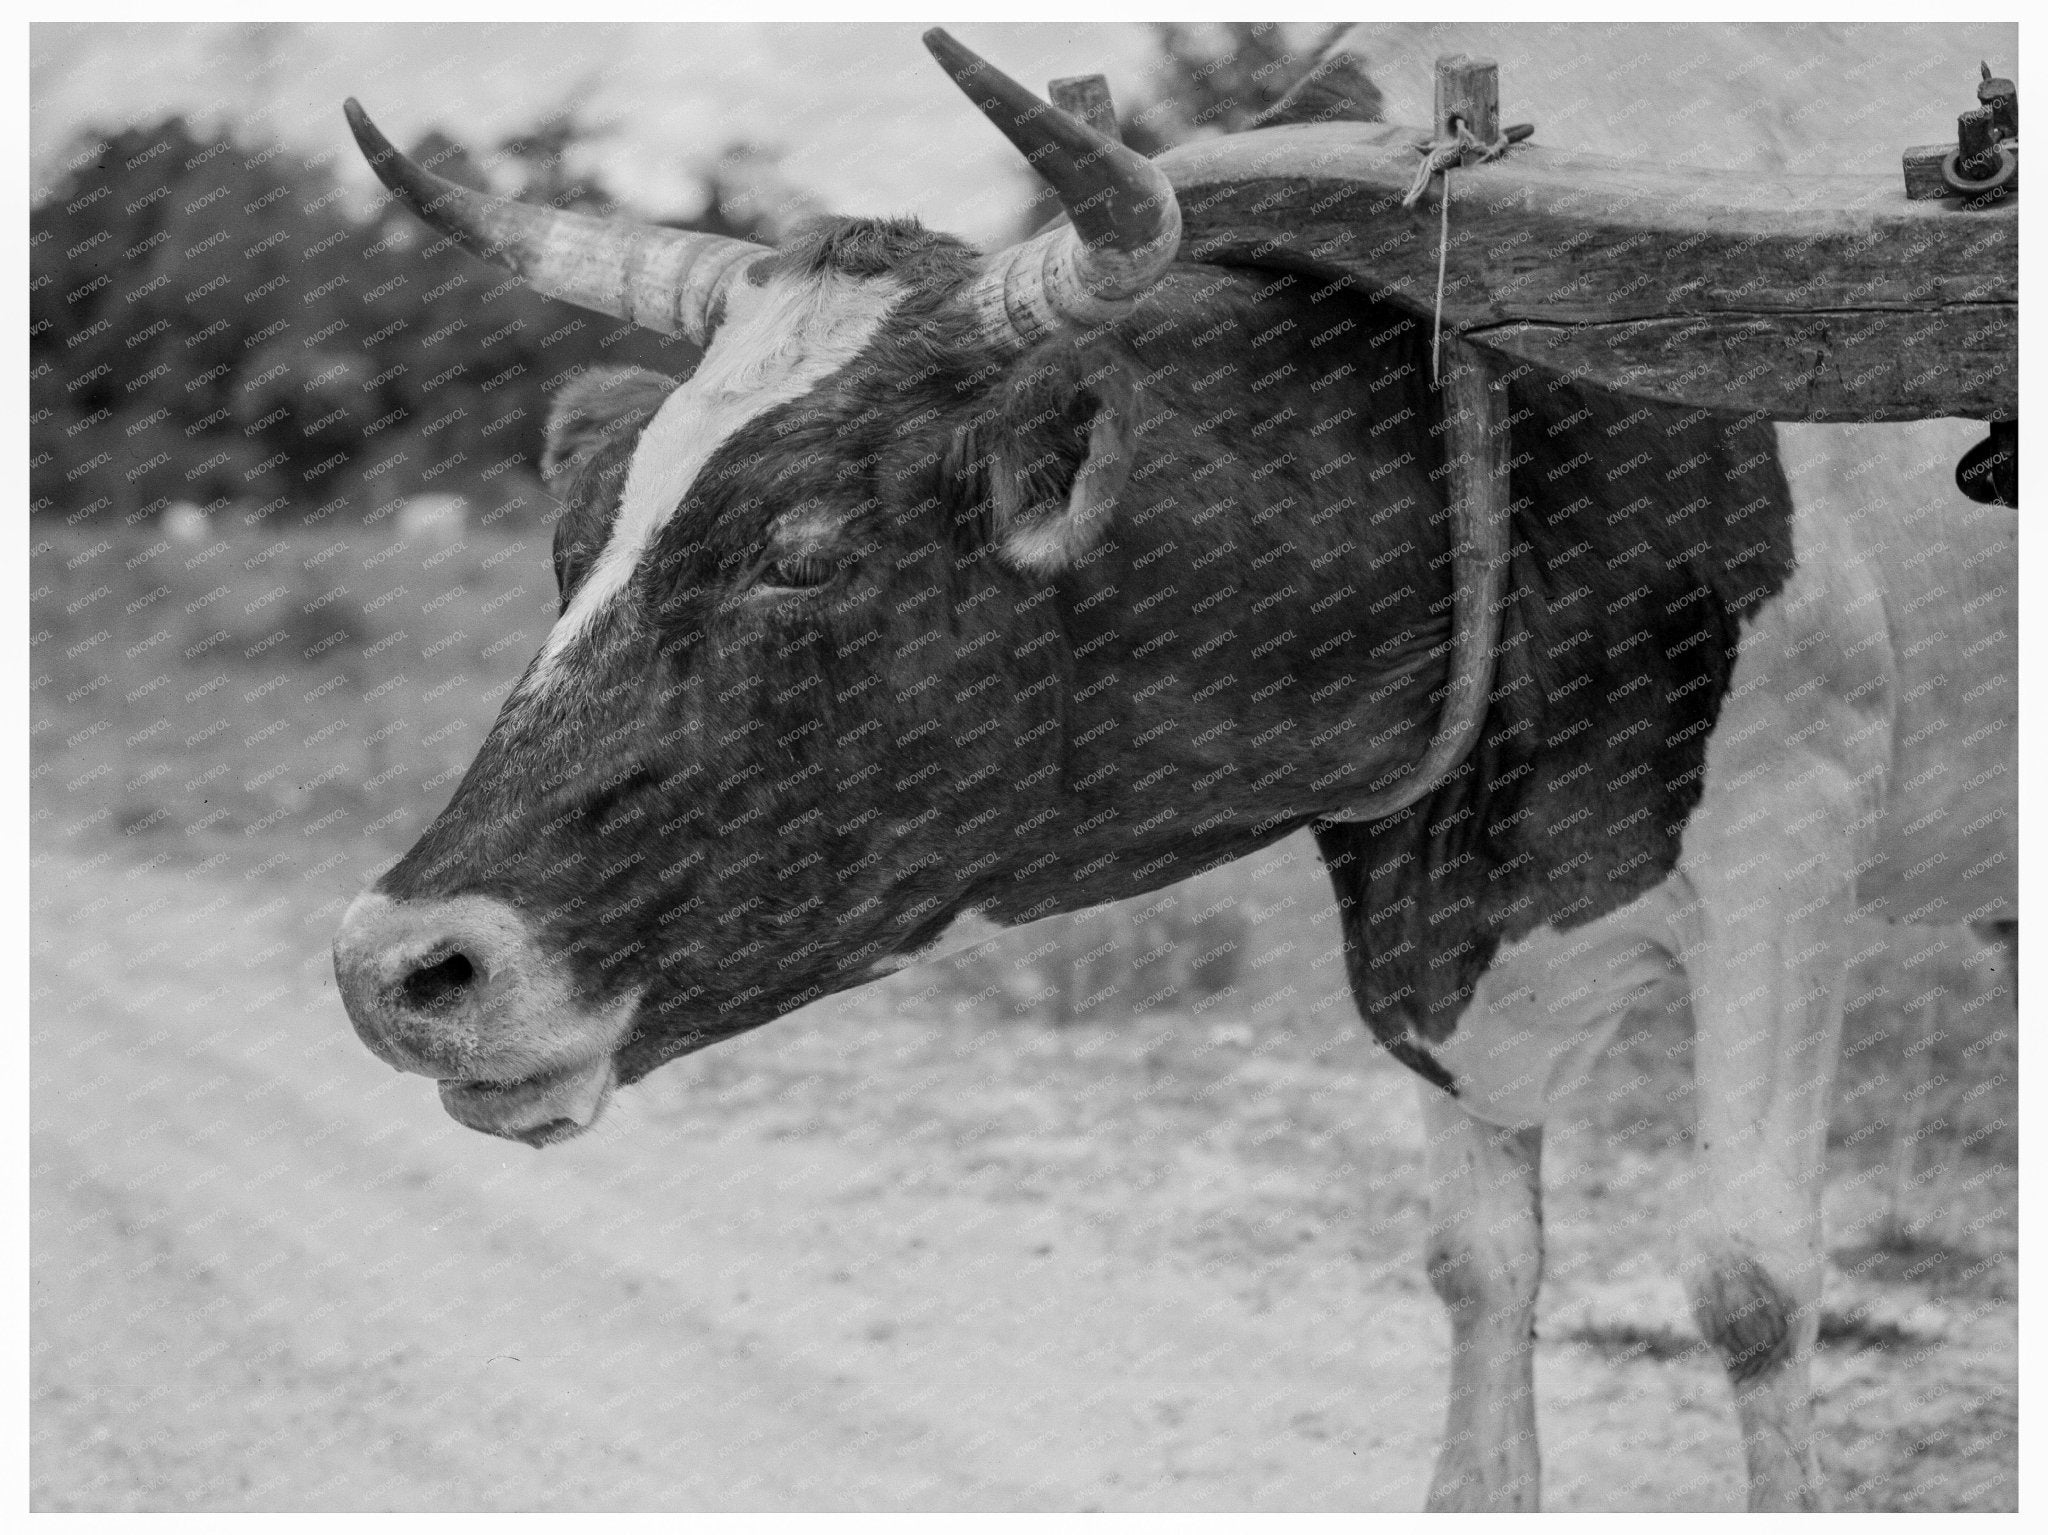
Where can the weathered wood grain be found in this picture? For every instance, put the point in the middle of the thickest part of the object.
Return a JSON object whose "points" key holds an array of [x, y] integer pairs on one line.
{"points": [[1468, 90], [1922, 166], [1087, 97], [1815, 298]]}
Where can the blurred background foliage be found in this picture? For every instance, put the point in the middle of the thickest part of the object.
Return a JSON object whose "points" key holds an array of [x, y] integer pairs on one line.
{"points": [[1215, 78], [216, 322], [209, 324]]}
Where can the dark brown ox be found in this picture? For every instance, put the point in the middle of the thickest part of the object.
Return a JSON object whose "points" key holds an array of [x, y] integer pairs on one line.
{"points": [[961, 587]]}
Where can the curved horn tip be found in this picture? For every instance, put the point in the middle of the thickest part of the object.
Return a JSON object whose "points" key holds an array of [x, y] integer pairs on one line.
{"points": [[370, 139], [958, 60]]}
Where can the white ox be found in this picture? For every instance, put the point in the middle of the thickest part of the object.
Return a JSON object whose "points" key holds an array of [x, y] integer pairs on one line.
{"points": [[1864, 761]]}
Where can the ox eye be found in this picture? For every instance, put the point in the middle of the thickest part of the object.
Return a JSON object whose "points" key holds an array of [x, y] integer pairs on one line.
{"points": [[800, 570], [616, 795]]}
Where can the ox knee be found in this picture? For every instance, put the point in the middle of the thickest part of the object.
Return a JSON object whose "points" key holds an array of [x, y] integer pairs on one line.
{"points": [[1485, 1249], [1761, 1316], [1486, 1277], [1756, 1323]]}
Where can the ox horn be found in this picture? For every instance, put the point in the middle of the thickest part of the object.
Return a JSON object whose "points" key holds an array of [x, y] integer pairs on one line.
{"points": [[670, 280], [1125, 224]]}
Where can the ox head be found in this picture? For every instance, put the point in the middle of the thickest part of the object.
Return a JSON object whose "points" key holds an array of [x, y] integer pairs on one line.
{"points": [[879, 620]]}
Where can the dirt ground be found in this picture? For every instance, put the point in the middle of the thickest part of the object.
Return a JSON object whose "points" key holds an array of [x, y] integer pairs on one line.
{"points": [[875, 1257]]}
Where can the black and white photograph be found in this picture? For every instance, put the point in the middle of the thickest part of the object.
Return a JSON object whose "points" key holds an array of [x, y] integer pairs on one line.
{"points": [[847, 766]]}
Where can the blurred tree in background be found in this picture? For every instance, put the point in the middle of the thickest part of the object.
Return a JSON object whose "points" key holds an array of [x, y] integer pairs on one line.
{"points": [[209, 323], [1215, 77], [212, 323]]}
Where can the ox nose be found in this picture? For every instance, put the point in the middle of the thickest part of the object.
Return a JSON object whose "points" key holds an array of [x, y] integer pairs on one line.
{"points": [[420, 979], [461, 988]]}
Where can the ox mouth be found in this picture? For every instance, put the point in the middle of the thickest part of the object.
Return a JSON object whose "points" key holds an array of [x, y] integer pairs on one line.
{"points": [[539, 1110]]}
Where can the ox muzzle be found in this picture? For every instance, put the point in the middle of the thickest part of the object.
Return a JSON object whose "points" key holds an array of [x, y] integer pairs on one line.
{"points": [[460, 989]]}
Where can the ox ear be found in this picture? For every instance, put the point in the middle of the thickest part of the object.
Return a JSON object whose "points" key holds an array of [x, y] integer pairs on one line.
{"points": [[594, 409], [1056, 464]]}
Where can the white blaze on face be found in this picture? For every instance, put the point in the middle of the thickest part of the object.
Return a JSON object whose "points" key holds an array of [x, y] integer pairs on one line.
{"points": [[776, 344]]}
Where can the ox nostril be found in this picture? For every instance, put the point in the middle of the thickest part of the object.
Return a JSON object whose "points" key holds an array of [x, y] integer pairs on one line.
{"points": [[435, 987]]}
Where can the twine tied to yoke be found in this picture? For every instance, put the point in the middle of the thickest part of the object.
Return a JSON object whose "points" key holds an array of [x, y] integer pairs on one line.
{"points": [[1446, 154]]}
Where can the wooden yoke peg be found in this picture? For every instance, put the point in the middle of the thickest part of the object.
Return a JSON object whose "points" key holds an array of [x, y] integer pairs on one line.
{"points": [[1983, 165], [1467, 90], [1087, 97], [2002, 99]]}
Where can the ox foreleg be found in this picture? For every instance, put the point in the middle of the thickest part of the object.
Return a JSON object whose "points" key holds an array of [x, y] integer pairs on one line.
{"points": [[1485, 1259], [1768, 979]]}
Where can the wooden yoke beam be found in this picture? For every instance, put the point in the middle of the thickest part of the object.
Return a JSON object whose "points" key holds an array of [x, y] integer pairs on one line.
{"points": [[1805, 298]]}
